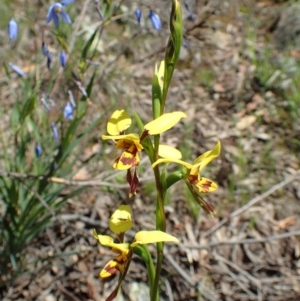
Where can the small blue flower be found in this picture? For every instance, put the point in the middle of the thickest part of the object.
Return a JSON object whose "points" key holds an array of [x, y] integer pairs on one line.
{"points": [[49, 60], [56, 10], [68, 111], [38, 151], [71, 98], [63, 59], [138, 15], [155, 20], [55, 132], [16, 69], [12, 29], [44, 49]]}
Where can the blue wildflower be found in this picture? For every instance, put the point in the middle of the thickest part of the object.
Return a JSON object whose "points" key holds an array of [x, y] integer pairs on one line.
{"points": [[44, 49], [155, 20], [16, 69], [63, 59], [138, 15], [68, 111], [12, 29], [49, 60], [38, 151], [71, 98], [55, 132], [56, 10]]}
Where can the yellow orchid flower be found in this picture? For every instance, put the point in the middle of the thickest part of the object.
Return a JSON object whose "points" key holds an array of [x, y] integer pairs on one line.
{"points": [[195, 182], [120, 221], [131, 143]]}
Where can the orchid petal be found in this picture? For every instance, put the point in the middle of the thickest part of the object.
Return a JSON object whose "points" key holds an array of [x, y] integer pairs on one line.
{"points": [[169, 152], [149, 237], [206, 185], [163, 123], [208, 156], [120, 221], [127, 160], [130, 137], [119, 122], [108, 241]]}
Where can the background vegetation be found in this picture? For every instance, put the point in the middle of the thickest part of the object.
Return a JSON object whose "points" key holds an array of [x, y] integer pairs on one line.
{"points": [[237, 80]]}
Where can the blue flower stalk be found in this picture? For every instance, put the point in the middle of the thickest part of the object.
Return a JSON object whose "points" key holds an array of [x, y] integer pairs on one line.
{"points": [[57, 10], [12, 29], [155, 20]]}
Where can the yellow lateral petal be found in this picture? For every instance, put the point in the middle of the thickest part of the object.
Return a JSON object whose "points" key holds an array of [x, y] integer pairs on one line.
{"points": [[163, 122], [208, 156], [131, 137], [149, 237], [127, 160], [169, 152], [118, 122], [120, 221]]}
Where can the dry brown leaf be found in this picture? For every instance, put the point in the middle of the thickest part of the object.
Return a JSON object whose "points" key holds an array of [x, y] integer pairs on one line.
{"points": [[286, 222], [245, 122]]}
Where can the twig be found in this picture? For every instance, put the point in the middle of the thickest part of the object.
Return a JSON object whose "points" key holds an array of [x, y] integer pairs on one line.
{"points": [[237, 268], [242, 272], [67, 293], [245, 241], [238, 281], [251, 203], [176, 266]]}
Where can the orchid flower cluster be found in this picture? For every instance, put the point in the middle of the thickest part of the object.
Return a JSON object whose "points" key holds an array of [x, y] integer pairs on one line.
{"points": [[146, 141]]}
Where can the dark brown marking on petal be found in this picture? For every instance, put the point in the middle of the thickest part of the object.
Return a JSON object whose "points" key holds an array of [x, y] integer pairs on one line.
{"points": [[128, 161], [193, 179], [205, 186], [110, 270]]}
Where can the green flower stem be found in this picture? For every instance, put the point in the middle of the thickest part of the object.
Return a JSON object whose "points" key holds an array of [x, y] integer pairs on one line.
{"points": [[160, 225], [143, 252]]}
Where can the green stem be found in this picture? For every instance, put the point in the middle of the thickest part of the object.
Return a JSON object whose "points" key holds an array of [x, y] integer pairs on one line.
{"points": [[160, 224]]}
